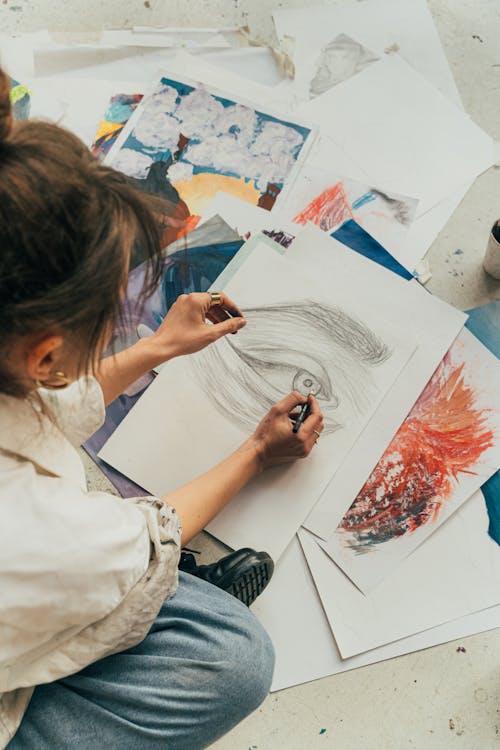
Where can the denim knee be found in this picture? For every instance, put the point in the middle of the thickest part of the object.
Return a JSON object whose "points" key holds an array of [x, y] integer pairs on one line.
{"points": [[249, 666]]}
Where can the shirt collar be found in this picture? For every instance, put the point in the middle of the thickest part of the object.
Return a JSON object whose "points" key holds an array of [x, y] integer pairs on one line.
{"points": [[27, 431]]}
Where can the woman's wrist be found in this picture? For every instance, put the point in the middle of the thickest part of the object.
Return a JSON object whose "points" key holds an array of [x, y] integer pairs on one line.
{"points": [[153, 351], [255, 450]]}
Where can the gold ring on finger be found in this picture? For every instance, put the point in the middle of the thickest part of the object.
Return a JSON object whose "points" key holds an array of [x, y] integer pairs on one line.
{"points": [[215, 299]]}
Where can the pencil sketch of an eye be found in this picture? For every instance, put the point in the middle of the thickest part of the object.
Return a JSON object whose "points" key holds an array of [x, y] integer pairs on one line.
{"points": [[305, 346]]}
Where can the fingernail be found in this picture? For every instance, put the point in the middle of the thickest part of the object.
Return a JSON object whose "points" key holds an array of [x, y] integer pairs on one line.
{"points": [[241, 323]]}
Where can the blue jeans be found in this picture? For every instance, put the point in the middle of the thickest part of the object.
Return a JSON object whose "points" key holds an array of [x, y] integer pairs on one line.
{"points": [[205, 664]]}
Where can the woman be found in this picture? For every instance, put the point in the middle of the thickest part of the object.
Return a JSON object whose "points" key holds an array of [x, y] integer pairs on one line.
{"points": [[102, 643]]}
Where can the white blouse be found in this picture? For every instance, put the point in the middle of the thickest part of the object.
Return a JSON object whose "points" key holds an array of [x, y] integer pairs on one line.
{"points": [[82, 574]]}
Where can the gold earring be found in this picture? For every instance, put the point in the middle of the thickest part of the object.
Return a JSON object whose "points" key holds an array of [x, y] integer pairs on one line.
{"points": [[60, 380]]}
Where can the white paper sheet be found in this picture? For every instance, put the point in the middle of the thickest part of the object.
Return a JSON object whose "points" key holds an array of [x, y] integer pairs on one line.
{"points": [[448, 446], [426, 228], [405, 133], [423, 230], [245, 218], [150, 37], [291, 611], [251, 73], [455, 573], [101, 63], [432, 321], [200, 408], [404, 25], [257, 64], [328, 199]]}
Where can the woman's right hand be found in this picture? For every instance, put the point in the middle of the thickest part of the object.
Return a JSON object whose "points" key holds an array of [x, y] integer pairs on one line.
{"points": [[274, 439]]}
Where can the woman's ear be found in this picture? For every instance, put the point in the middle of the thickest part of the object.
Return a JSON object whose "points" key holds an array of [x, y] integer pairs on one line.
{"points": [[42, 357]]}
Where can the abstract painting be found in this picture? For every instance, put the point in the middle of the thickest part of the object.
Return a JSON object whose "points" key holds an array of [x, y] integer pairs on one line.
{"points": [[119, 111], [185, 143], [445, 449], [20, 98], [340, 59], [330, 201]]}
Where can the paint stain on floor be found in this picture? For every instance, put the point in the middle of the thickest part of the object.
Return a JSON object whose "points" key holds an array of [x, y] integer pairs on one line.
{"points": [[455, 727], [322, 731], [461, 650]]}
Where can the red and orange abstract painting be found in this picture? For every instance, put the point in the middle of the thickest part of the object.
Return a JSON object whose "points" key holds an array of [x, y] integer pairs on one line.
{"points": [[443, 436], [447, 447]]}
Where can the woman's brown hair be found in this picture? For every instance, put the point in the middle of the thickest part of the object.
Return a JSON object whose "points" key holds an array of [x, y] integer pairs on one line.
{"points": [[68, 226]]}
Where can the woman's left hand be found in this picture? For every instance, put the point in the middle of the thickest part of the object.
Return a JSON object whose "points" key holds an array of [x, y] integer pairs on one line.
{"points": [[186, 329]]}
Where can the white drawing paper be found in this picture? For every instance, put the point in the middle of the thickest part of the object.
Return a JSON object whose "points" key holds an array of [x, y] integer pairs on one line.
{"points": [[410, 139], [454, 573], [329, 199], [200, 408], [304, 645], [246, 219], [404, 26], [446, 448], [422, 231], [433, 322], [250, 69]]}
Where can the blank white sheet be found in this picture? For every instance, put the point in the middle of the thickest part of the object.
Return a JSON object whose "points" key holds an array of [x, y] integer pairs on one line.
{"points": [[426, 228], [455, 573], [409, 138], [244, 217], [291, 611], [175, 431], [433, 322]]}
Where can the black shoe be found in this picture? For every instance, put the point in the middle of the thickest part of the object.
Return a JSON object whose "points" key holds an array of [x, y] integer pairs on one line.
{"points": [[244, 573]]}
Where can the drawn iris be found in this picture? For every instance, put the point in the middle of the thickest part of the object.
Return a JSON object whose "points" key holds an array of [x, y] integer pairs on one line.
{"points": [[306, 382]]}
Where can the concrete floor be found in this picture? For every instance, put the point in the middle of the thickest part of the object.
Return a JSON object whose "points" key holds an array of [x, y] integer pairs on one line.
{"points": [[439, 698]]}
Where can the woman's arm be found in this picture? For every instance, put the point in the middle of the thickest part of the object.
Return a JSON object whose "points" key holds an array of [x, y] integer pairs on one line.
{"points": [[185, 330], [273, 442]]}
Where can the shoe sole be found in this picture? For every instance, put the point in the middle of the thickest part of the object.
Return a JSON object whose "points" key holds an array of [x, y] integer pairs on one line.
{"points": [[250, 584]]}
